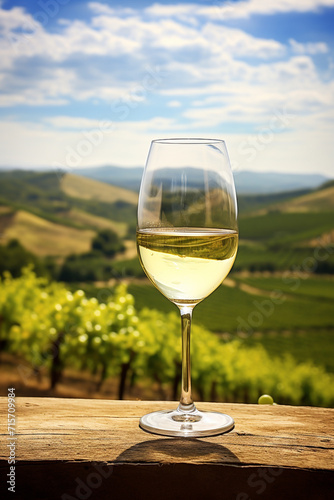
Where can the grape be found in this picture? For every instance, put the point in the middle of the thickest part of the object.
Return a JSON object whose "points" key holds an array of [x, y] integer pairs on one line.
{"points": [[265, 399]]}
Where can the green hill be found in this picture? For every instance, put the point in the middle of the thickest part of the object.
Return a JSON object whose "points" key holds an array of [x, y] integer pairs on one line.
{"points": [[90, 221], [42, 237], [70, 201], [318, 201], [276, 230], [88, 189], [302, 212]]}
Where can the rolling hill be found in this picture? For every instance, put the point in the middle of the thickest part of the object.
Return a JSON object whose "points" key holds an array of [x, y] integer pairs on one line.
{"points": [[305, 220], [52, 216], [88, 189], [42, 237], [88, 220], [73, 202], [58, 217], [247, 182], [319, 200]]}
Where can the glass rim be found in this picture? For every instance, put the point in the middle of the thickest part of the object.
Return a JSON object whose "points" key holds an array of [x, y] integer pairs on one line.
{"points": [[188, 140]]}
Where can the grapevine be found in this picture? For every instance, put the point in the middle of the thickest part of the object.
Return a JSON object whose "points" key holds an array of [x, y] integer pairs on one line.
{"points": [[53, 329]]}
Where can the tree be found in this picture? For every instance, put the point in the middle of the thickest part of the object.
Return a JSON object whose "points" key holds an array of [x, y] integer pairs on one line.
{"points": [[108, 243], [13, 257]]}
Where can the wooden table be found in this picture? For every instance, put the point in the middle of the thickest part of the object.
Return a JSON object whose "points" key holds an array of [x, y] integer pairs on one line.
{"points": [[82, 448]]}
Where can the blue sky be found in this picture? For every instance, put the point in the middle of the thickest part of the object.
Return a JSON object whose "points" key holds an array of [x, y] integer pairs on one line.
{"points": [[92, 83]]}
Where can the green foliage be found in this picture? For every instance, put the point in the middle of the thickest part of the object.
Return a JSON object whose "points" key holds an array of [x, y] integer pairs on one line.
{"points": [[84, 268], [285, 228], [16, 297], [53, 328], [91, 267], [277, 310], [107, 242], [14, 256], [95, 265], [314, 346]]}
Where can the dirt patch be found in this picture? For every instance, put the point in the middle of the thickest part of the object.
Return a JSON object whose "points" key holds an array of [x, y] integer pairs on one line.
{"points": [[15, 372]]}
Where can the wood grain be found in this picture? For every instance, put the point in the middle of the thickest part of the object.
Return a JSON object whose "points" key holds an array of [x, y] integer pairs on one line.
{"points": [[272, 448]]}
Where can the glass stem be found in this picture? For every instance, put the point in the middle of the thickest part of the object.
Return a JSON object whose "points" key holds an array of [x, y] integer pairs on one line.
{"points": [[186, 402]]}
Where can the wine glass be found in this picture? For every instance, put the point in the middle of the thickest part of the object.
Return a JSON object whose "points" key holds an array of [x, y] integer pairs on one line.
{"points": [[187, 239]]}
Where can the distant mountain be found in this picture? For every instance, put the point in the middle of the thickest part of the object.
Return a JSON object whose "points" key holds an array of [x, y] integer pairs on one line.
{"points": [[274, 182], [246, 182], [128, 178]]}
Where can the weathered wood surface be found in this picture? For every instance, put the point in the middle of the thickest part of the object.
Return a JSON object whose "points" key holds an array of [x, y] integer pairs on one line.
{"points": [[75, 448]]}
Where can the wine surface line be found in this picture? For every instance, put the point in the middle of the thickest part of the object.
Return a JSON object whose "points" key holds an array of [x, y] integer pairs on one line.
{"points": [[187, 264]]}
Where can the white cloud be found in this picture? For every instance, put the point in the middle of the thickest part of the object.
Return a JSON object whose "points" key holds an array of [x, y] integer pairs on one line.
{"points": [[239, 44], [98, 59], [72, 123], [266, 149], [83, 124], [101, 8], [174, 104], [67, 143], [266, 7], [309, 48], [136, 63], [302, 151], [236, 10]]}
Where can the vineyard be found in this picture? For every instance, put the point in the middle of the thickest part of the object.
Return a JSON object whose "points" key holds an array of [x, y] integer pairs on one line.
{"points": [[53, 328]]}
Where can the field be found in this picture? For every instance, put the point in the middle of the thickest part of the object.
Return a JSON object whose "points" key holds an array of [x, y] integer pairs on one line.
{"points": [[44, 238], [295, 285], [87, 189], [277, 228], [278, 310], [95, 222], [320, 200], [310, 345], [285, 314]]}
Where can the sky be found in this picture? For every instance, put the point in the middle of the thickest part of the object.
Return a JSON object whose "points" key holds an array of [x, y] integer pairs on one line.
{"points": [[92, 83]]}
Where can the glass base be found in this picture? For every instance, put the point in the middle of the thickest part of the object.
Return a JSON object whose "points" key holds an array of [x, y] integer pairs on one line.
{"points": [[192, 423]]}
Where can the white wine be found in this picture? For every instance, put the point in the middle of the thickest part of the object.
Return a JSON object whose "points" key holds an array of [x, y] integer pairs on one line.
{"points": [[187, 264]]}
